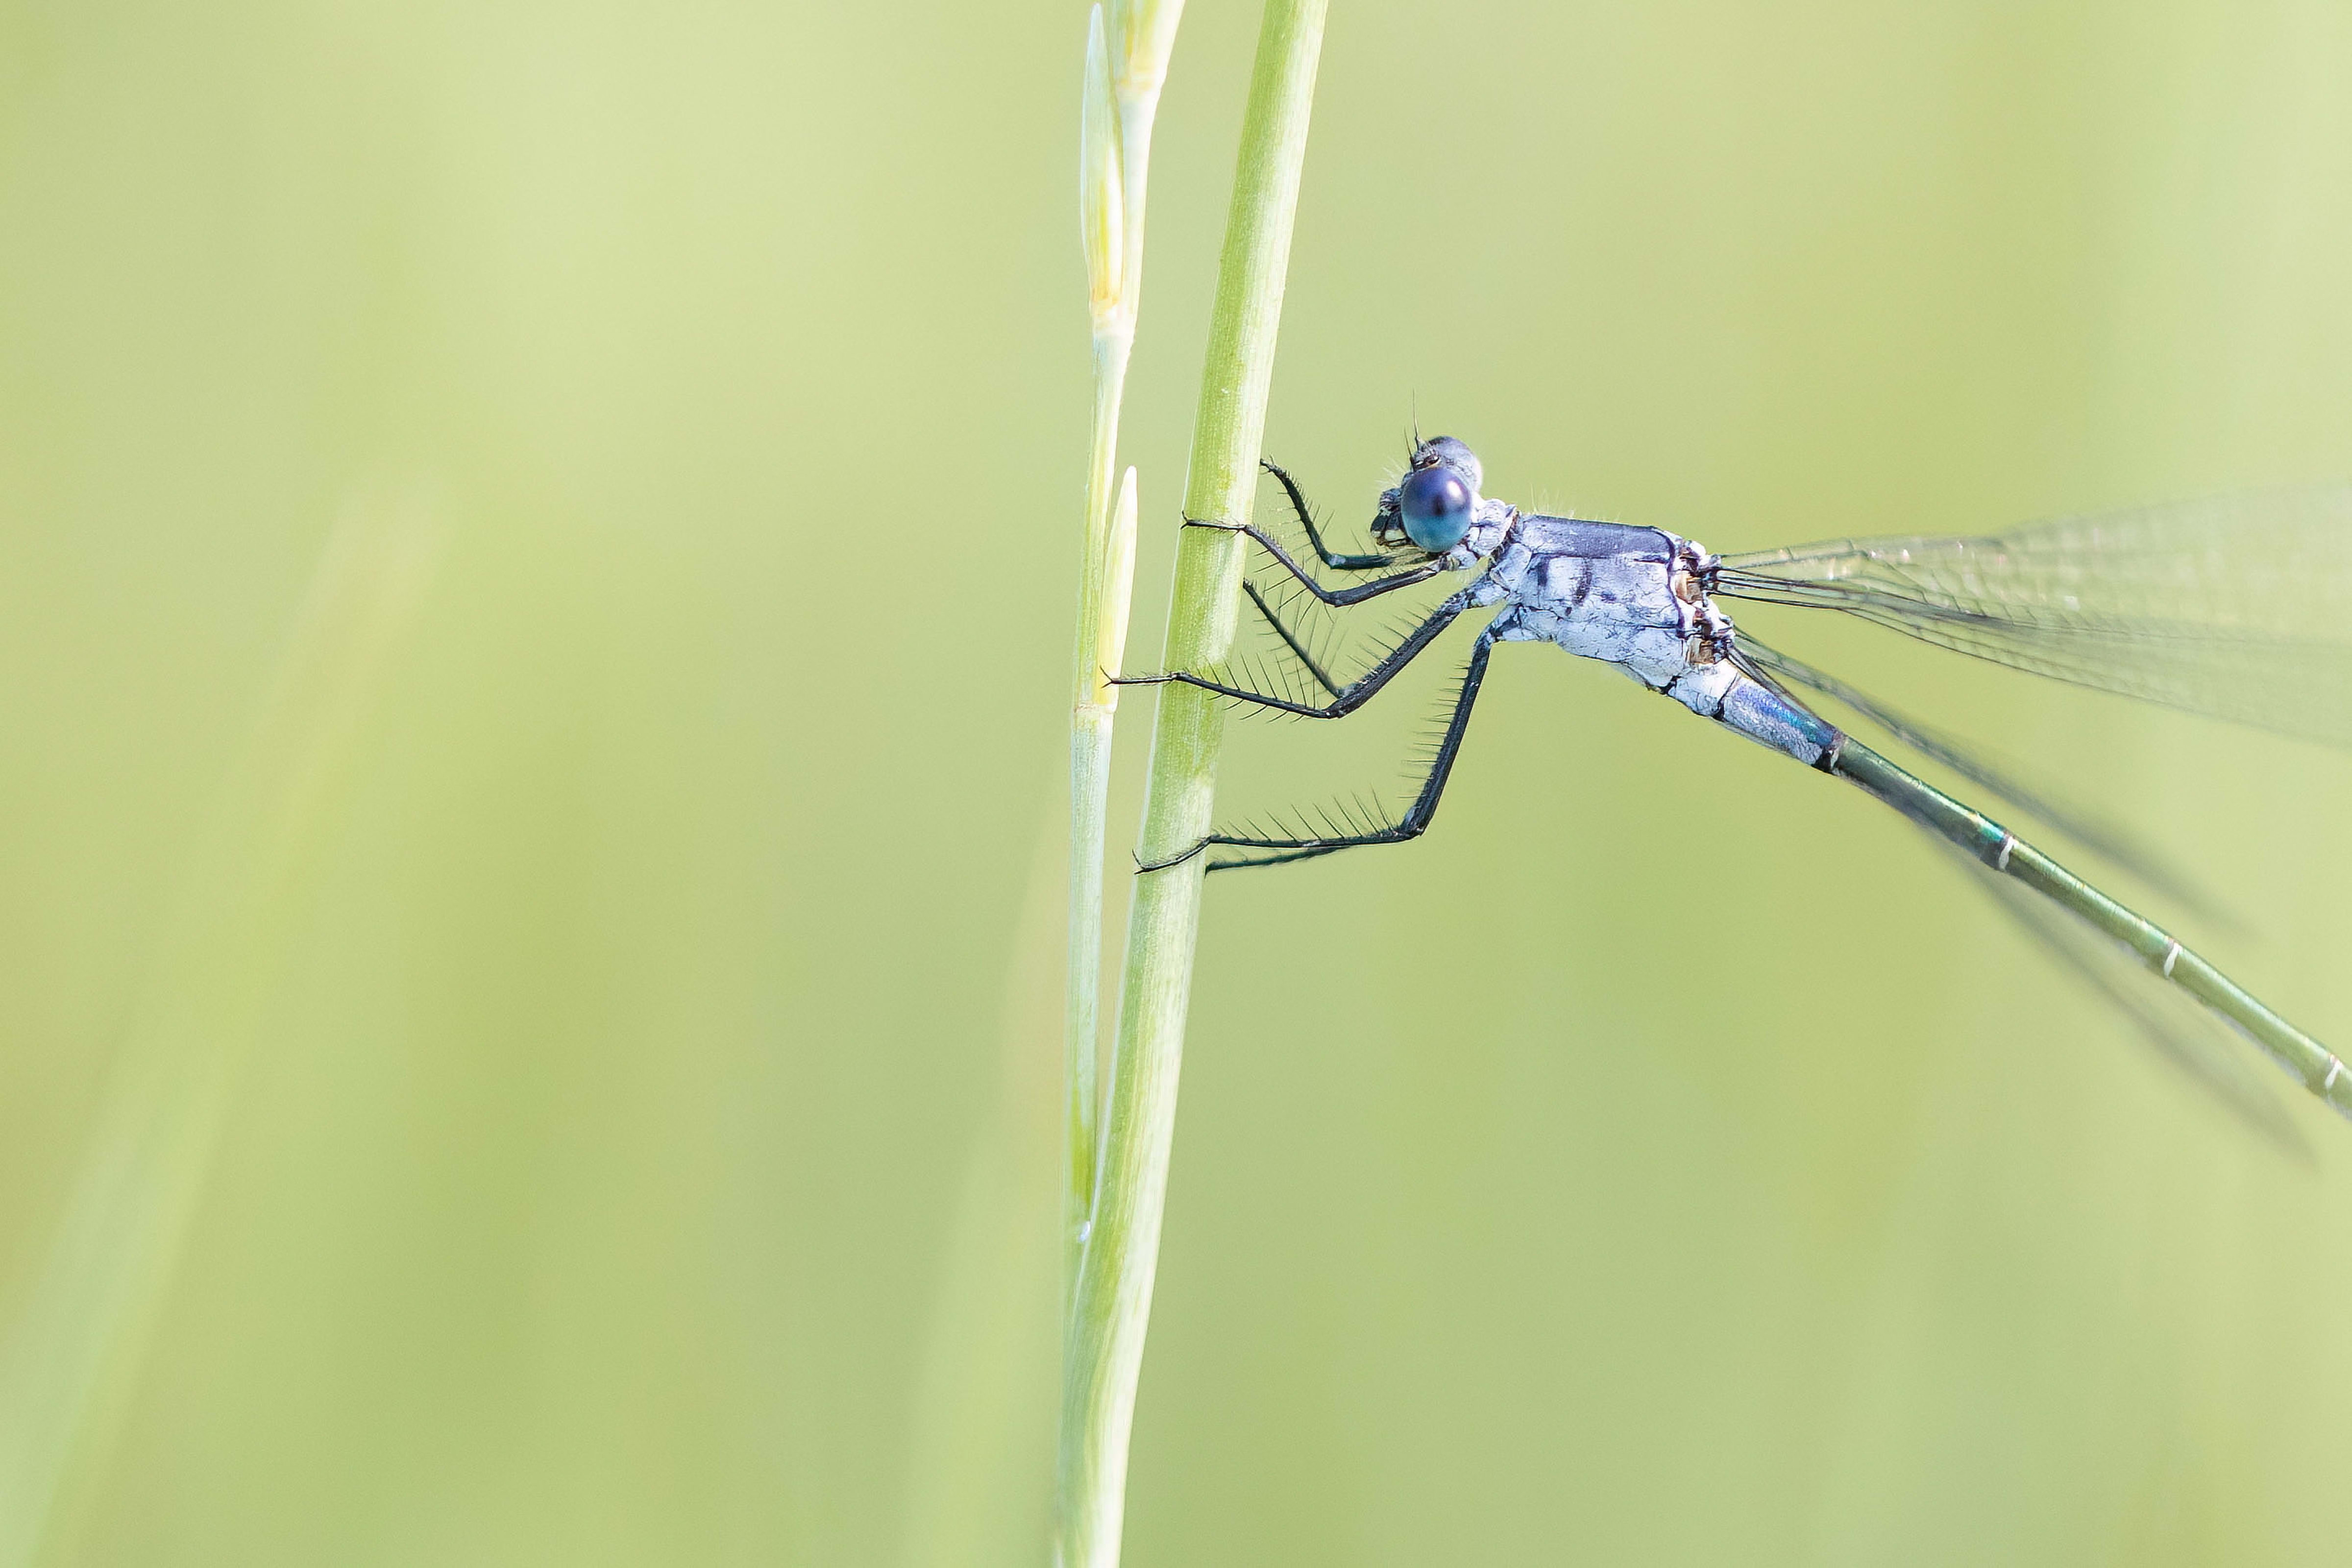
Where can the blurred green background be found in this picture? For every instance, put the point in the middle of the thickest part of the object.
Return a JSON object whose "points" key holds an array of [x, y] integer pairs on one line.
{"points": [[628, 993]]}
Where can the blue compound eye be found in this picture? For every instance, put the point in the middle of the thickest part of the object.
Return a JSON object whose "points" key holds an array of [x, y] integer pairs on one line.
{"points": [[1436, 508]]}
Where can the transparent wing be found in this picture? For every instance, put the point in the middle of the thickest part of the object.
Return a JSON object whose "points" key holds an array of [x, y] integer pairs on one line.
{"points": [[2114, 841], [2232, 606], [2188, 1036], [2183, 1034]]}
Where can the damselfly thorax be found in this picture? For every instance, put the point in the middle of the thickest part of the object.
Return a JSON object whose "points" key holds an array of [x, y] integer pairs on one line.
{"points": [[1636, 598]]}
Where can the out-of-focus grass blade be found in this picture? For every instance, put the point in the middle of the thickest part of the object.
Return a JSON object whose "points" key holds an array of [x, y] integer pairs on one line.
{"points": [[71, 1344], [980, 1487]]}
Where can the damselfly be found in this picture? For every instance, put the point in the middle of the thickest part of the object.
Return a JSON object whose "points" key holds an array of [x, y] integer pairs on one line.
{"points": [[2222, 607]]}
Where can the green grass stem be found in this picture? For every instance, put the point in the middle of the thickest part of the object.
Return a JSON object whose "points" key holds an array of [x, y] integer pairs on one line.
{"points": [[1103, 1350]]}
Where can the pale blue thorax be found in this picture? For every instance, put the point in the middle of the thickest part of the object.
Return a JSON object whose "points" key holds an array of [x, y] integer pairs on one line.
{"points": [[1635, 598]]}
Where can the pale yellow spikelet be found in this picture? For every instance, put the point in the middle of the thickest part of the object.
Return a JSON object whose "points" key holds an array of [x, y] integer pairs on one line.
{"points": [[1146, 31], [1143, 35], [1102, 214]]}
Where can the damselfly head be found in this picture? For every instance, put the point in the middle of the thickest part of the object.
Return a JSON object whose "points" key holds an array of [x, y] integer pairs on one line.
{"points": [[1437, 502]]}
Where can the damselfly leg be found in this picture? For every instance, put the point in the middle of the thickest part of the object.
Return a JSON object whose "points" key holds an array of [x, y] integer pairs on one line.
{"points": [[1280, 849], [1291, 639], [1335, 597], [1282, 629], [1339, 597], [1307, 520], [1346, 699]]}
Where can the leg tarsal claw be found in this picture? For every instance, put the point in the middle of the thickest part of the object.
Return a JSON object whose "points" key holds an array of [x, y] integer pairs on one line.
{"points": [[1170, 862]]}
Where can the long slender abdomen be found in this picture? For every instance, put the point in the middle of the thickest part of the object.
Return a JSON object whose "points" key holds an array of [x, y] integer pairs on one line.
{"points": [[2319, 1069], [1721, 692]]}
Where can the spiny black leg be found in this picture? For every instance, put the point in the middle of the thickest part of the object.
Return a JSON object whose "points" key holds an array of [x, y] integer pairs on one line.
{"points": [[1411, 825], [1341, 596], [1347, 699], [1307, 521], [1290, 639]]}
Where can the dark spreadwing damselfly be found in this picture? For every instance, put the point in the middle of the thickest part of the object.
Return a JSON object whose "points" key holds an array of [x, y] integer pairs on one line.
{"points": [[2226, 607]]}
